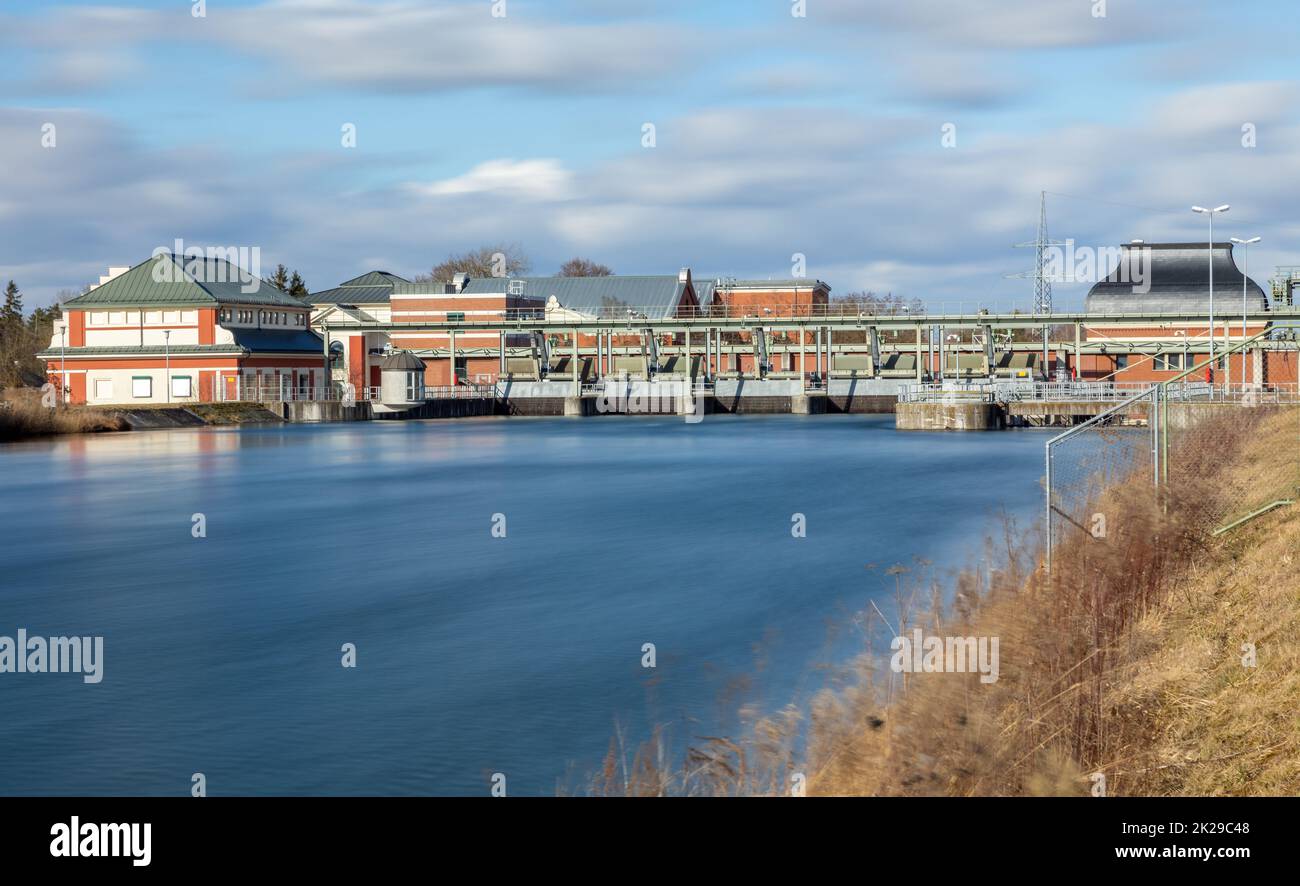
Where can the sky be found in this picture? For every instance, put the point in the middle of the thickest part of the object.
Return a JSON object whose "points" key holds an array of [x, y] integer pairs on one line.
{"points": [[896, 146]]}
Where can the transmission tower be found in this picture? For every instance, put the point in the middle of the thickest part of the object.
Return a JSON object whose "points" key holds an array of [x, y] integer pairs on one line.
{"points": [[1042, 281]]}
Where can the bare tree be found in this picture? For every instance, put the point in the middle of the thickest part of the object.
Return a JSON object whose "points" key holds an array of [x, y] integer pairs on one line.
{"points": [[583, 267], [868, 302], [499, 260]]}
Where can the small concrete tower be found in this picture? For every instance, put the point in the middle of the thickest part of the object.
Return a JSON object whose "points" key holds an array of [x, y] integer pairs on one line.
{"points": [[401, 375]]}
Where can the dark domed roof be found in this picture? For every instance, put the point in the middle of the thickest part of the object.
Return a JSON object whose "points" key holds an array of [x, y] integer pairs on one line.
{"points": [[402, 361], [1178, 277]]}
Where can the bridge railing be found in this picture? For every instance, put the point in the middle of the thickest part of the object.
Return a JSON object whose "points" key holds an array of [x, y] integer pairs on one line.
{"points": [[759, 312]]}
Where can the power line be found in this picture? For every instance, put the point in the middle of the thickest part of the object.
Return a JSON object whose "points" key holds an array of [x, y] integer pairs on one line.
{"points": [[1098, 200]]}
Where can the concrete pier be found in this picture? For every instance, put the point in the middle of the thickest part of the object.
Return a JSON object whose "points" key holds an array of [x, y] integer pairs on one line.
{"points": [[579, 406], [940, 416]]}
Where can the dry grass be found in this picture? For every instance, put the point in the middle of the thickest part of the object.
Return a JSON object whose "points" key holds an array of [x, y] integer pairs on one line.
{"points": [[1126, 662], [22, 415]]}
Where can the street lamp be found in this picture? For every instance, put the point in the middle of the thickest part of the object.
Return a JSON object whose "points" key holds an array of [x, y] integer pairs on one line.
{"points": [[63, 360], [1245, 271], [1209, 213]]}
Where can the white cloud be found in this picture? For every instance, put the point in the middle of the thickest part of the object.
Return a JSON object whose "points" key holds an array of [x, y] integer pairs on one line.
{"points": [[394, 45], [873, 203], [1016, 24], [527, 179]]}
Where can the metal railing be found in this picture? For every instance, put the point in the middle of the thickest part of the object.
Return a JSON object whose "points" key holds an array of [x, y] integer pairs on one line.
{"points": [[252, 393], [1096, 391], [951, 392], [460, 392], [746, 309]]}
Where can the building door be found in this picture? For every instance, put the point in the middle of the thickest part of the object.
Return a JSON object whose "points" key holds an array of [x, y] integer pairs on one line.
{"points": [[230, 387]]}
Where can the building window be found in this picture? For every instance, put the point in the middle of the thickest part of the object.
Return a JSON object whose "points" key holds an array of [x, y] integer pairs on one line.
{"points": [[181, 386], [103, 389], [153, 317], [1121, 361], [414, 386], [455, 316], [141, 386]]}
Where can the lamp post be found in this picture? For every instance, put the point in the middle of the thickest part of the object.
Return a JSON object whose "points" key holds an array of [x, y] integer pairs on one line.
{"points": [[63, 360], [167, 362], [1209, 213], [1245, 271]]}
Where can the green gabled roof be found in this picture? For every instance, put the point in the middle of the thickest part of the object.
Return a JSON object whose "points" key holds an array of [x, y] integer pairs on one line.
{"points": [[371, 288], [375, 278], [170, 281], [143, 350]]}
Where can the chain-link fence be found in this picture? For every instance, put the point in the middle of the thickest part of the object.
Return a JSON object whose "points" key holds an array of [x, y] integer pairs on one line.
{"points": [[1231, 457], [1220, 454], [1119, 445]]}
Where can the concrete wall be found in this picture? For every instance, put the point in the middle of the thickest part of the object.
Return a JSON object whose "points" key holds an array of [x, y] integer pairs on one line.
{"points": [[949, 417], [441, 409], [319, 410]]}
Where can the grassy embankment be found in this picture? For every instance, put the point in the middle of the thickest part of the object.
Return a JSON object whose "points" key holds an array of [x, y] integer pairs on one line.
{"points": [[22, 415], [1128, 661]]}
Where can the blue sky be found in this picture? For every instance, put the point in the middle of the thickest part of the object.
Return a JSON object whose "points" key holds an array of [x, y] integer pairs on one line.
{"points": [[775, 134]]}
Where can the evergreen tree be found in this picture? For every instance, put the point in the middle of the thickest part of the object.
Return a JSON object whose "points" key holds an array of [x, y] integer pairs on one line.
{"points": [[280, 279], [297, 288], [12, 313]]}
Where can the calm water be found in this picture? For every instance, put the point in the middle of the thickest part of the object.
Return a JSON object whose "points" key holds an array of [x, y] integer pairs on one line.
{"points": [[475, 654]]}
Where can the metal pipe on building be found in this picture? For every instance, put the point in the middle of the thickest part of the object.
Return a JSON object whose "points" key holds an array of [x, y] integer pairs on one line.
{"points": [[920, 378], [325, 380]]}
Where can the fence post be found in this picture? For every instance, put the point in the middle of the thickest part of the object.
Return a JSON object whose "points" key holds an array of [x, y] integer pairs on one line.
{"points": [[1049, 507]]}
